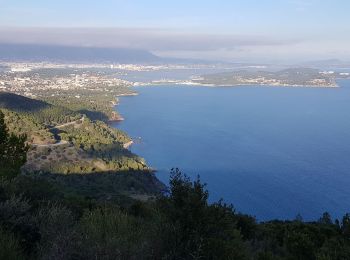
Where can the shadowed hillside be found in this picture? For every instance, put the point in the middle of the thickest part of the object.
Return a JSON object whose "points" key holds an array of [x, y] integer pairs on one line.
{"points": [[20, 103]]}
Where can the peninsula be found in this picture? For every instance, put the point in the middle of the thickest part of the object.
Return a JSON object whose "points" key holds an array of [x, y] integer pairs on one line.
{"points": [[295, 77]]}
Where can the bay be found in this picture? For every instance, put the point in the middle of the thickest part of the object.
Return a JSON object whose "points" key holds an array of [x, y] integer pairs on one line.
{"points": [[273, 152]]}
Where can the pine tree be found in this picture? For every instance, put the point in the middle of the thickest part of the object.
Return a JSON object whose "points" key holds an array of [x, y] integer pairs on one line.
{"points": [[13, 151]]}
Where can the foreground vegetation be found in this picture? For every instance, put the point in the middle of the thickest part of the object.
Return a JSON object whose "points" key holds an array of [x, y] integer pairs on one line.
{"points": [[43, 219]]}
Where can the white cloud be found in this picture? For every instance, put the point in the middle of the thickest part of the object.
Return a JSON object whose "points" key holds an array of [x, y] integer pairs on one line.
{"points": [[184, 44]]}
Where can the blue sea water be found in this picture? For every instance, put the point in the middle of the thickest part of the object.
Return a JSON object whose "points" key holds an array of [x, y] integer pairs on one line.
{"points": [[272, 152]]}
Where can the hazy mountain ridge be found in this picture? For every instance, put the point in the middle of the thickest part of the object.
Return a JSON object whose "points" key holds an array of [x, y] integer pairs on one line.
{"points": [[31, 52], [81, 54], [326, 63]]}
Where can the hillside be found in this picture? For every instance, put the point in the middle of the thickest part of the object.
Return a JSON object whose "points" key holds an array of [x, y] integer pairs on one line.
{"points": [[80, 147], [42, 112], [21, 103]]}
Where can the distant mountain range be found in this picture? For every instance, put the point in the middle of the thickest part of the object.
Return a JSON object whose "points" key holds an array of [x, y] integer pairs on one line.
{"points": [[29, 52], [80, 54], [71, 54], [326, 64]]}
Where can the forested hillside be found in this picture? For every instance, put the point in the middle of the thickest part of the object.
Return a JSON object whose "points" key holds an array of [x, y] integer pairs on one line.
{"points": [[38, 110], [65, 142]]}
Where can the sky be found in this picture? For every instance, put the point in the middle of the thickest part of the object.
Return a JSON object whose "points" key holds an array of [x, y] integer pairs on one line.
{"points": [[230, 30]]}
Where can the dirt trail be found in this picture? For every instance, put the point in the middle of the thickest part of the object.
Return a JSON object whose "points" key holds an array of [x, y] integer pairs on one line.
{"points": [[60, 142]]}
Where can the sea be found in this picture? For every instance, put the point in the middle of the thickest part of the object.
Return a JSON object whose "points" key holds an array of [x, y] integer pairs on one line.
{"points": [[271, 152]]}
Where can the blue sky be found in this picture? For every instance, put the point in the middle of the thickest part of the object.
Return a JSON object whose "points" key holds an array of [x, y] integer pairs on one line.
{"points": [[275, 29]]}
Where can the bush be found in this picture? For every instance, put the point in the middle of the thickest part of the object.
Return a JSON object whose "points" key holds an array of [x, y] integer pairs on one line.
{"points": [[108, 233], [57, 231], [10, 247], [15, 216]]}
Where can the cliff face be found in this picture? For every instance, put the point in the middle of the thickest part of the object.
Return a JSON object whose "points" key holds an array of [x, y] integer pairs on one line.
{"points": [[115, 117]]}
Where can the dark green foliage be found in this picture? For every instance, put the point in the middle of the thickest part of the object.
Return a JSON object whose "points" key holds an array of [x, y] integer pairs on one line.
{"points": [[20, 103], [21, 124], [199, 229], [13, 151], [300, 240], [46, 223], [345, 228], [40, 111], [15, 216], [326, 219], [56, 225], [35, 190], [247, 226], [94, 102], [96, 147], [9, 246], [94, 135], [101, 110], [106, 186], [108, 233]]}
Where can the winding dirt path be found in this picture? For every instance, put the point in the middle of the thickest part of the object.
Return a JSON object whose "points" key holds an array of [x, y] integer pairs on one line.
{"points": [[60, 142], [69, 123]]}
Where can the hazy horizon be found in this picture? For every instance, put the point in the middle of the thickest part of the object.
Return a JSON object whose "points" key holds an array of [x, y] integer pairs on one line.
{"points": [[250, 31]]}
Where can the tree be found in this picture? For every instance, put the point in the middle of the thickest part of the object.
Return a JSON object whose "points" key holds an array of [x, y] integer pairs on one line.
{"points": [[346, 225], [200, 230], [326, 219], [299, 218], [13, 151]]}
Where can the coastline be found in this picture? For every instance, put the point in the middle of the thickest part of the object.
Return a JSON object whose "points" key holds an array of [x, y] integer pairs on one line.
{"points": [[118, 118], [115, 116], [194, 84], [127, 94], [128, 144]]}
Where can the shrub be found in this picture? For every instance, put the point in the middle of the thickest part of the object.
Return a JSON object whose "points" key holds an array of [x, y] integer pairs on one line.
{"points": [[108, 233], [9, 246]]}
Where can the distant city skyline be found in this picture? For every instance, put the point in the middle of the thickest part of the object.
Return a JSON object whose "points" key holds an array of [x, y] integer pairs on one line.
{"points": [[257, 31]]}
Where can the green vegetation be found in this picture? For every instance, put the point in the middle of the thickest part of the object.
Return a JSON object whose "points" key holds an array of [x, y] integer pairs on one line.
{"points": [[96, 102], [90, 134], [95, 105], [40, 221], [13, 151], [36, 110], [21, 124], [287, 77], [83, 146]]}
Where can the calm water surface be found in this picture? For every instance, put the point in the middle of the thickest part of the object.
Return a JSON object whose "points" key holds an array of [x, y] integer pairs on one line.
{"points": [[272, 152]]}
